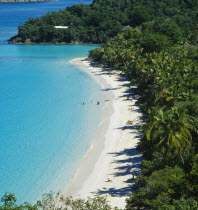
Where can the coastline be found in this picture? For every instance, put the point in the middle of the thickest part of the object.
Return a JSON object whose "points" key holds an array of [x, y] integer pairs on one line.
{"points": [[111, 160]]}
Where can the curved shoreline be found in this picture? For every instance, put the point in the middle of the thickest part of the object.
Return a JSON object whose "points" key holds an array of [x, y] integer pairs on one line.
{"points": [[112, 155]]}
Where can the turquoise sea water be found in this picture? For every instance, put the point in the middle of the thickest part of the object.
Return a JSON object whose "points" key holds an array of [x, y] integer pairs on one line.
{"points": [[44, 128]]}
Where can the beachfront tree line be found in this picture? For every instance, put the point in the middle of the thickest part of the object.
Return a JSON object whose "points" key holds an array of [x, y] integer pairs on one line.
{"points": [[53, 201], [158, 52], [103, 19], [167, 85], [161, 61]]}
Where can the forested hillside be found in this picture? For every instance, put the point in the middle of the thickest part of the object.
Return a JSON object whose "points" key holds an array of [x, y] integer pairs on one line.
{"points": [[103, 19], [159, 54], [167, 80]]}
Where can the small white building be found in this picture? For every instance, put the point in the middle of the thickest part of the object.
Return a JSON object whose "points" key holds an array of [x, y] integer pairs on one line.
{"points": [[61, 27]]}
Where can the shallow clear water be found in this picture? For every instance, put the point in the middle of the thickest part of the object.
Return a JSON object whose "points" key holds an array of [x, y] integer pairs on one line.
{"points": [[44, 128], [14, 14]]}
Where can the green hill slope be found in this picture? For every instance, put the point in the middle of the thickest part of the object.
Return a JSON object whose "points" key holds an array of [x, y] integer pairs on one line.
{"points": [[103, 19]]}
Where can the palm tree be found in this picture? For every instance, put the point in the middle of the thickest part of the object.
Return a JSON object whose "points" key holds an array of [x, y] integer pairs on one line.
{"points": [[170, 131]]}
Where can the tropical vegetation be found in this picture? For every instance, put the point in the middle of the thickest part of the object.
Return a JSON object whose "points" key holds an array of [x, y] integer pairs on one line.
{"points": [[154, 43], [53, 201], [104, 19], [161, 60]]}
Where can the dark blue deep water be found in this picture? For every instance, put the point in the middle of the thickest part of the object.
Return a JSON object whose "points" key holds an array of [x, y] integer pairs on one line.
{"points": [[44, 128]]}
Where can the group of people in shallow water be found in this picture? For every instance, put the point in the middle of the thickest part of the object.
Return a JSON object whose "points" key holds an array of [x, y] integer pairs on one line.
{"points": [[129, 97], [98, 103]]}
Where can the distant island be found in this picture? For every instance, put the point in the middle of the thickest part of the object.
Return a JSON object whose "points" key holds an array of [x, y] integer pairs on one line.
{"points": [[14, 1]]}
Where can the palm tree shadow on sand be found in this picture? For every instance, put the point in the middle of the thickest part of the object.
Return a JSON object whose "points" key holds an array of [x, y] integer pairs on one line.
{"points": [[127, 162], [129, 166]]}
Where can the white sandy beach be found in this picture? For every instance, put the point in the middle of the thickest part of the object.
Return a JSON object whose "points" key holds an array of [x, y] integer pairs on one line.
{"points": [[110, 162]]}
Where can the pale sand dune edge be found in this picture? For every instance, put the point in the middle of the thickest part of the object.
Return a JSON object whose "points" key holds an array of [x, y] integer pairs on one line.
{"points": [[110, 162]]}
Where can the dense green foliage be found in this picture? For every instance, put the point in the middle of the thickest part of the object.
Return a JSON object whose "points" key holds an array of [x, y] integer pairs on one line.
{"points": [[103, 19], [52, 201], [158, 53], [9, 203]]}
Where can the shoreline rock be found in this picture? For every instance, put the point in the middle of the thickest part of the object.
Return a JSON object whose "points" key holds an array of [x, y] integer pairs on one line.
{"points": [[18, 40]]}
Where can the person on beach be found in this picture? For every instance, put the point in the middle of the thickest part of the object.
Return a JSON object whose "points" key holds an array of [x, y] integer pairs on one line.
{"points": [[109, 180], [98, 103]]}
